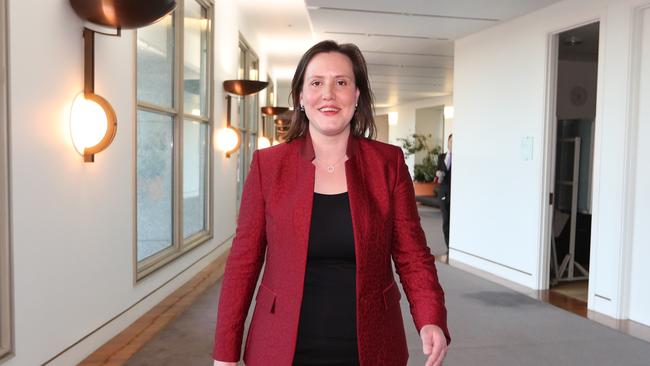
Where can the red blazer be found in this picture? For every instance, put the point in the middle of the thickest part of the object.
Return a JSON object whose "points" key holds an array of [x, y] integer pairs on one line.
{"points": [[274, 219]]}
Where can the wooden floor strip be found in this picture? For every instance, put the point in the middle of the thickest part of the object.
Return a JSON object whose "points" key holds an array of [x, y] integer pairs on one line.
{"points": [[124, 345]]}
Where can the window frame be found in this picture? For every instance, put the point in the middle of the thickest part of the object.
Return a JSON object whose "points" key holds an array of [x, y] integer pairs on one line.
{"points": [[180, 245], [247, 124], [270, 100], [6, 293]]}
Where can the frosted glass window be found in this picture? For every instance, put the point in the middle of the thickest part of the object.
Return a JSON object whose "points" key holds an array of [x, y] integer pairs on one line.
{"points": [[155, 52], [195, 58], [154, 183], [174, 124], [247, 118], [195, 154]]}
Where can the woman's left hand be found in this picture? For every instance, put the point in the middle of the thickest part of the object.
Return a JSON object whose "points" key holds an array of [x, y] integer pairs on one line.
{"points": [[434, 344]]}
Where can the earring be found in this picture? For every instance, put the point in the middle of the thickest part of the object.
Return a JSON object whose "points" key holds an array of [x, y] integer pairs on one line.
{"points": [[302, 108]]}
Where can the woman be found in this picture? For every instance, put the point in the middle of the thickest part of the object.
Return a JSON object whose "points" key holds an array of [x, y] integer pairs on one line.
{"points": [[330, 209]]}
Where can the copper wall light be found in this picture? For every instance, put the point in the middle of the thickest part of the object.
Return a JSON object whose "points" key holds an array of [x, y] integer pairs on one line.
{"points": [[93, 122], [270, 111], [229, 138], [282, 123], [273, 111]]}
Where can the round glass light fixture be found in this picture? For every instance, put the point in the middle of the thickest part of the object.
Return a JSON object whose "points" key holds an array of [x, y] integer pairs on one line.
{"points": [[93, 124], [228, 140], [263, 142]]}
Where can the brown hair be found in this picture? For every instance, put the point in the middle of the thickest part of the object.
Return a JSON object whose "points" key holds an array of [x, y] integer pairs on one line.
{"points": [[363, 122]]}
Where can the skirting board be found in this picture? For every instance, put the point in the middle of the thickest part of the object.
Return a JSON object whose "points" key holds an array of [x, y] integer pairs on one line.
{"points": [[503, 271], [95, 339]]}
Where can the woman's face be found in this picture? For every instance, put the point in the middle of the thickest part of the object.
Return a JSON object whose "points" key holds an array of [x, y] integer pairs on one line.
{"points": [[329, 93]]}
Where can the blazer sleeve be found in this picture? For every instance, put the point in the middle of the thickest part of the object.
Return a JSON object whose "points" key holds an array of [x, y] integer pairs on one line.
{"points": [[413, 260], [242, 268]]}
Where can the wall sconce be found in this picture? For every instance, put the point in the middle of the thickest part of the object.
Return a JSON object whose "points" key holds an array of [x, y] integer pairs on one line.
{"points": [[93, 123], [448, 112], [269, 111], [282, 123], [229, 138]]}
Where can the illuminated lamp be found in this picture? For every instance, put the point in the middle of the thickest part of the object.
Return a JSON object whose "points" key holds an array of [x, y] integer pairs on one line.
{"points": [[229, 138], [93, 123], [268, 111]]}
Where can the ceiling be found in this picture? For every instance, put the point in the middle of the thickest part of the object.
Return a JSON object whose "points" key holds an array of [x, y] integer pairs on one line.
{"points": [[579, 44], [408, 44]]}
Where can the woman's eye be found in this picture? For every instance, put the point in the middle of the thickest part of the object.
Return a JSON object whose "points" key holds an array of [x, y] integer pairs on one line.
{"points": [[342, 83], [316, 83]]}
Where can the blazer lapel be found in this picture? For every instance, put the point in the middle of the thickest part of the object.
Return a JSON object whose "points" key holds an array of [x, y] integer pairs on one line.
{"points": [[358, 196], [303, 197]]}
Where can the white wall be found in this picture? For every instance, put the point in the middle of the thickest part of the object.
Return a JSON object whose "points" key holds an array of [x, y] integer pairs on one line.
{"points": [[449, 129], [73, 223], [429, 121], [640, 296], [284, 89], [499, 95]]}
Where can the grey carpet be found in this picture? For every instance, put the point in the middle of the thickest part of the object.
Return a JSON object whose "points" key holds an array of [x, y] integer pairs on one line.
{"points": [[490, 326]]}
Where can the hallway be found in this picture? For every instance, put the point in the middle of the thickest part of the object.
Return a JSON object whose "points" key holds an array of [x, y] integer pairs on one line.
{"points": [[115, 225], [490, 325]]}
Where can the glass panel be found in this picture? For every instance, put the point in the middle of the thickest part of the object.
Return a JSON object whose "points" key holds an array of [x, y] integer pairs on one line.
{"points": [[242, 62], [253, 112], [154, 183], [252, 146], [239, 108], [253, 71], [268, 120], [195, 165], [241, 166], [155, 54], [195, 59], [270, 93]]}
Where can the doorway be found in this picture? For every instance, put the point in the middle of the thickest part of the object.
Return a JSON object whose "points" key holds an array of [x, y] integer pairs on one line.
{"points": [[572, 147]]}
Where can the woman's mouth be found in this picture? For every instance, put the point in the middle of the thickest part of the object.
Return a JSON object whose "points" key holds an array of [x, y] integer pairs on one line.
{"points": [[328, 111]]}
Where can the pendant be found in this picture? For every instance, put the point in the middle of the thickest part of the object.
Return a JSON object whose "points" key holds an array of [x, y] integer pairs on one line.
{"points": [[330, 169]]}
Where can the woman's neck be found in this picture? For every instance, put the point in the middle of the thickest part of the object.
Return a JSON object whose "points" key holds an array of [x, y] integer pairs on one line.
{"points": [[329, 148]]}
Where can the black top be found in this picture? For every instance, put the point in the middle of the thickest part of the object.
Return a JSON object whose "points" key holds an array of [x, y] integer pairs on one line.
{"points": [[327, 332]]}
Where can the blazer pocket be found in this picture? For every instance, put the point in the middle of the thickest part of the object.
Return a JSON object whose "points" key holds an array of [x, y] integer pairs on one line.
{"points": [[266, 299], [391, 295]]}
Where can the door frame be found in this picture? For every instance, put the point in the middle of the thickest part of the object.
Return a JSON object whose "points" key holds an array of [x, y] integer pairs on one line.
{"points": [[550, 143], [630, 170]]}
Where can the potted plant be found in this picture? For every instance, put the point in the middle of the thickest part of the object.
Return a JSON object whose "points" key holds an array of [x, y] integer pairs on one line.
{"points": [[424, 172]]}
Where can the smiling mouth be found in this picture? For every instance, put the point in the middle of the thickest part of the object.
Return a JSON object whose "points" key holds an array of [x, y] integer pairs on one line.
{"points": [[329, 109]]}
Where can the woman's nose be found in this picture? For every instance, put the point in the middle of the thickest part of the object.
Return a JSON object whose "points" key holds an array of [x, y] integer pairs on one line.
{"points": [[328, 91]]}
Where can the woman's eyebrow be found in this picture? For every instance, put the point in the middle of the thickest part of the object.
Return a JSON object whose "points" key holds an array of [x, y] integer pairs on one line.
{"points": [[322, 77]]}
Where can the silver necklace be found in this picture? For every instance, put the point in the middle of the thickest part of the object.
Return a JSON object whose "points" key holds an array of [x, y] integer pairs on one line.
{"points": [[330, 168]]}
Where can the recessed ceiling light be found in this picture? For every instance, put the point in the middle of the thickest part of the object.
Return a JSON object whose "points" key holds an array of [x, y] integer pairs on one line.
{"points": [[573, 41]]}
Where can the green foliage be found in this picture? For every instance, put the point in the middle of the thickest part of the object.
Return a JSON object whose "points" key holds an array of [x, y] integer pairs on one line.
{"points": [[415, 143], [426, 170]]}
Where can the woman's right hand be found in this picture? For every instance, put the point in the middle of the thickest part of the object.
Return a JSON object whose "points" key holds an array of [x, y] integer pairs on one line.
{"points": [[221, 363]]}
